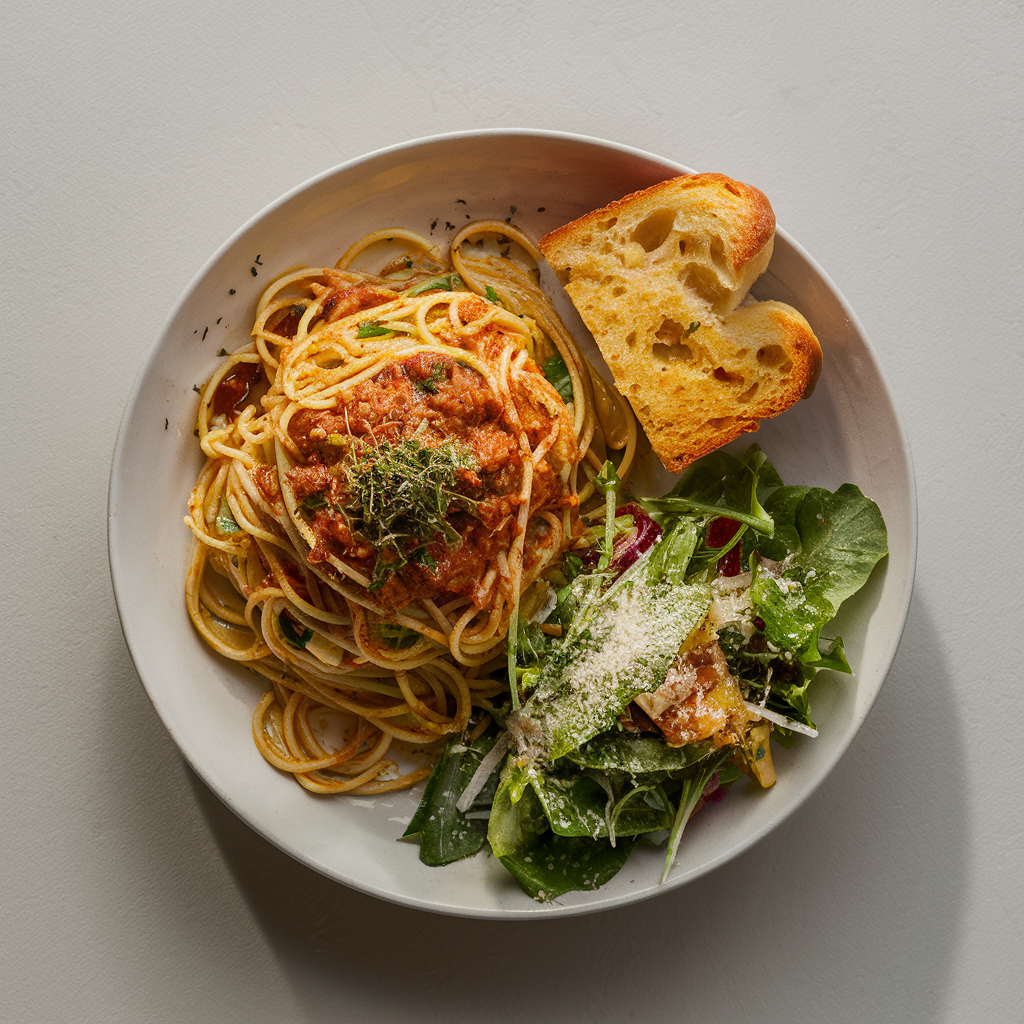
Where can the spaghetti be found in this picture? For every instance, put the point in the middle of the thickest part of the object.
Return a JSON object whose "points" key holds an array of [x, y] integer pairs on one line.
{"points": [[389, 476]]}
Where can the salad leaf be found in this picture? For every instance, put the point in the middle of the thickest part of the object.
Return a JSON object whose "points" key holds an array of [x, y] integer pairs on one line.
{"points": [[619, 644], [517, 818], [445, 833], [831, 543], [670, 559], [722, 485], [837, 539], [608, 483], [792, 615], [561, 864], [637, 755], [691, 792], [582, 805]]}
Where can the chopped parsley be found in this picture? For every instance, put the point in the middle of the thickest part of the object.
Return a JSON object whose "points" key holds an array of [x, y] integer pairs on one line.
{"points": [[438, 372]]}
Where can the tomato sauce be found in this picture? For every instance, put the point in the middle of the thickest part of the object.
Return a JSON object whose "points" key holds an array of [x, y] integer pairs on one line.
{"points": [[234, 389]]}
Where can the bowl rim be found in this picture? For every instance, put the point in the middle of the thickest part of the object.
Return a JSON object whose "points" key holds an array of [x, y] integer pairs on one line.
{"points": [[116, 486]]}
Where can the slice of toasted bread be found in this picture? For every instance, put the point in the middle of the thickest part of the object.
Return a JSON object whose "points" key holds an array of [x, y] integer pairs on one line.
{"points": [[658, 278]]}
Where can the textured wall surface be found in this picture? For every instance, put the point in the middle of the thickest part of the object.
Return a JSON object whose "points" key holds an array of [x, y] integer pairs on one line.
{"points": [[138, 137]]}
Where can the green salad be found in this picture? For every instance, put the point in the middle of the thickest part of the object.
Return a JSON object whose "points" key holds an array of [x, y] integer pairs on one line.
{"points": [[651, 671]]}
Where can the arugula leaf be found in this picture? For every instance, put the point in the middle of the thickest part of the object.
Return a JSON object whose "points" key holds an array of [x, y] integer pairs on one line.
{"points": [[533, 645], [445, 833], [834, 657], [608, 483], [670, 559], [561, 864], [558, 375], [722, 485], [691, 792]]}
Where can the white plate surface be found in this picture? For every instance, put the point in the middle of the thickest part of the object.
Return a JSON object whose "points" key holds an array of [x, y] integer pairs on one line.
{"points": [[847, 431]]}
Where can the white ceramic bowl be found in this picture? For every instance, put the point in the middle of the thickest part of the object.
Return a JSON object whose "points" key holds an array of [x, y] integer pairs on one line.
{"points": [[848, 430]]}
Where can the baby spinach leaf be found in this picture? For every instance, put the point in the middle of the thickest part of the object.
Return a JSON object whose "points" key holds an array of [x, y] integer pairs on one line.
{"points": [[445, 833], [837, 539], [560, 864], [833, 542], [517, 818], [581, 805], [637, 755]]}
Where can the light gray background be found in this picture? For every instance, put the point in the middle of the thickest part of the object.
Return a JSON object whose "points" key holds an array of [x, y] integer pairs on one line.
{"points": [[136, 138]]}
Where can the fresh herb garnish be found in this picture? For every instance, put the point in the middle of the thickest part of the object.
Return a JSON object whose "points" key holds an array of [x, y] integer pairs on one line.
{"points": [[297, 636], [558, 375], [396, 636], [225, 520], [372, 329], [492, 295], [438, 372], [404, 492], [315, 502], [448, 283]]}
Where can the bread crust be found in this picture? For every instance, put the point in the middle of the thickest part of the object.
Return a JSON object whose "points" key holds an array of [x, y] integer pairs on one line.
{"points": [[659, 277]]}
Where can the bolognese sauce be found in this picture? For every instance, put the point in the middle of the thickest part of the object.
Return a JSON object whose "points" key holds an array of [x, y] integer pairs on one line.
{"points": [[432, 400]]}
